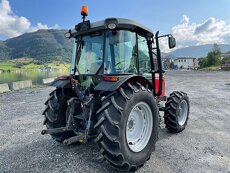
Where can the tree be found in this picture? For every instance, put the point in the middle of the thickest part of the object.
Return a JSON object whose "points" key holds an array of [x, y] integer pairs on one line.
{"points": [[171, 65], [203, 62], [216, 49], [213, 58]]}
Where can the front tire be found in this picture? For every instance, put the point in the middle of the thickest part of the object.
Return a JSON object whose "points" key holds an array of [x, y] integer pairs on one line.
{"points": [[128, 127], [176, 112]]}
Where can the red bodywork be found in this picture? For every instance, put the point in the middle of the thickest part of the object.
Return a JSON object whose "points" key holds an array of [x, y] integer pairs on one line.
{"points": [[157, 85], [163, 93]]}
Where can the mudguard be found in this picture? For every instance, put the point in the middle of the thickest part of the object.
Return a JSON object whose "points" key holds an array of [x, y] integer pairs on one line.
{"points": [[62, 83], [113, 86]]}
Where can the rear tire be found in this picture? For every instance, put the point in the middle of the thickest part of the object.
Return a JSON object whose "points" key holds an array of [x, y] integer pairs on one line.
{"points": [[176, 112], [55, 112], [123, 146]]}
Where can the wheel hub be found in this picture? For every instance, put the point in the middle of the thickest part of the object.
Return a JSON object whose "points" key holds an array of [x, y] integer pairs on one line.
{"points": [[131, 124], [139, 127], [183, 112]]}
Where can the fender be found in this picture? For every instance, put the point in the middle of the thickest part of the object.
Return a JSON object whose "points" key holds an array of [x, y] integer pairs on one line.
{"points": [[113, 86], [62, 82]]}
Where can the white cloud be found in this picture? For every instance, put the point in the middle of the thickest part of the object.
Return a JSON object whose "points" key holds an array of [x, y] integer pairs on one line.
{"points": [[207, 26], [208, 32], [12, 25], [185, 19], [43, 26], [39, 26]]}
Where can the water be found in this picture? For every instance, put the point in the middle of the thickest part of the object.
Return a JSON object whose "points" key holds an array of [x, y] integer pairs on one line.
{"points": [[35, 75]]}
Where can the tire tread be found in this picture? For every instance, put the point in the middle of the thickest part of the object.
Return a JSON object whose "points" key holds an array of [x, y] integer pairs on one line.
{"points": [[109, 143]]}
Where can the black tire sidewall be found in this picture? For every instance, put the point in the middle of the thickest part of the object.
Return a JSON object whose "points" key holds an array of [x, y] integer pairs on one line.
{"points": [[139, 157], [62, 97]]}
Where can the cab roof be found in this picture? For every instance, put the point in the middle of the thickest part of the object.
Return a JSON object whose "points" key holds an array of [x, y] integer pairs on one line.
{"points": [[120, 23]]}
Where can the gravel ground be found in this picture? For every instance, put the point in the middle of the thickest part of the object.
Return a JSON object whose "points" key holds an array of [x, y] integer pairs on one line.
{"points": [[204, 146]]}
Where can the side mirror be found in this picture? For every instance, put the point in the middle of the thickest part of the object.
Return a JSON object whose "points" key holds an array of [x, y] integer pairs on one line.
{"points": [[172, 42]]}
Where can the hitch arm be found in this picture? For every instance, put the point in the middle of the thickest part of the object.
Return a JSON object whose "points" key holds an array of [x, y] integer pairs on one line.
{"points": [[78, 138], [56, 130]]}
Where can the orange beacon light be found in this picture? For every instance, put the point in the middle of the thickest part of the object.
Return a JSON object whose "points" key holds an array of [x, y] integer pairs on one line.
{"points": [[84, 11]]}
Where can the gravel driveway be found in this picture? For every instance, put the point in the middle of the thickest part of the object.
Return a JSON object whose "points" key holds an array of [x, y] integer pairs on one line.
{"points": [[204, 146]]}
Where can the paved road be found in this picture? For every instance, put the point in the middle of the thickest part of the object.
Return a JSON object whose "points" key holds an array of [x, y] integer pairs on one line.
{"points": [[204, 146]]}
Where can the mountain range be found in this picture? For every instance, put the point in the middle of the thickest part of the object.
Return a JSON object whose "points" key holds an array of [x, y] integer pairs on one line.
{"points": [[43, 45], [198, 51], [51, 45]]}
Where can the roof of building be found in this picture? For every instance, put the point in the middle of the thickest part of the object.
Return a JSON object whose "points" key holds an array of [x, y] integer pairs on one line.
{"points": [[225, 54], [184, 58]]}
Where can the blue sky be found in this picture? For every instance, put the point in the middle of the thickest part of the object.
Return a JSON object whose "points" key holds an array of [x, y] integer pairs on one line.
{"points": [[193, 22]]}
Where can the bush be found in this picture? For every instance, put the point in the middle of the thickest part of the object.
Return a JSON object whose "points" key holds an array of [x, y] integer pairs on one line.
{"points": [[203, 62], [38, 62], [212, 59]]}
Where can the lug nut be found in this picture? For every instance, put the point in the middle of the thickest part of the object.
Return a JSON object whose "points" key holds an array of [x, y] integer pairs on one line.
{"points": [[65, 142], [43, 132]]}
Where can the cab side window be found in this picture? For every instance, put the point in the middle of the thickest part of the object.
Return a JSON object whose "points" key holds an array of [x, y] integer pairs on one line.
{"points": [[143, 53]]}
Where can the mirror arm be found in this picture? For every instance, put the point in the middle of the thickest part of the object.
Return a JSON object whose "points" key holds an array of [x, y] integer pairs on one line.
{"points": [[167, 35]]}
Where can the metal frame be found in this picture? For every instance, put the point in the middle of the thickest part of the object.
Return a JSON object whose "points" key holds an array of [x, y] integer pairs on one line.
{"points": [[125, 24]]}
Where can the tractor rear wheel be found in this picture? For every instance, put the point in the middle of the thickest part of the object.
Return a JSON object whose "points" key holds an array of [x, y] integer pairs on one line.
{"points": [[55, 112], [176, 112], [128, 127]]}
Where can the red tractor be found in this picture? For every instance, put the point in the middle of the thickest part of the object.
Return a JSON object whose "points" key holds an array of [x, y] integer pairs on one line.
{"points": [[115, 92]]}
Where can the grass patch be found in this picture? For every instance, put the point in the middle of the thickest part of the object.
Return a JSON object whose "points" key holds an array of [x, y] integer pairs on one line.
{"points": [[59, 66], [8, 66], [211, 68], [23, 60], [30, 64]]}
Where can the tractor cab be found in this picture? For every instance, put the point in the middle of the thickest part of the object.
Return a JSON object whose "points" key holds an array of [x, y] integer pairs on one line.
{"points": [[114, 50]]}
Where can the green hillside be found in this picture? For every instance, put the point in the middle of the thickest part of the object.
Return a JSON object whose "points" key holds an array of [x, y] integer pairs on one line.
{"points": [[44, 46]]}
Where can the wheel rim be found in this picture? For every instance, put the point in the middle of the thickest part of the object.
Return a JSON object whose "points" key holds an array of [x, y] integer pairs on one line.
{"points": [[139, 127], [183, 112]]}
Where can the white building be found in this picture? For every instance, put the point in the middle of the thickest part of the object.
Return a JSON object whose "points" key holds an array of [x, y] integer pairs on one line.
{"points": [[224, 55], [186, 63]]}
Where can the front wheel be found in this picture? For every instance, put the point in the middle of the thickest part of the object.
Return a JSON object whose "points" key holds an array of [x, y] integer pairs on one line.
{"points": [[177, 112], [128, 127]]}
